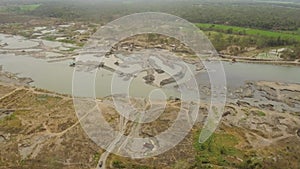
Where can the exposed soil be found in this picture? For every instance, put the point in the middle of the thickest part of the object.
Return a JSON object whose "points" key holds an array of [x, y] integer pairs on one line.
{"points": [[42, 130]]}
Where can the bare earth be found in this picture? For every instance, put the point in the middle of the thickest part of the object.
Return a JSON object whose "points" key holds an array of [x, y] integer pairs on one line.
{"points": [[39, 128]]}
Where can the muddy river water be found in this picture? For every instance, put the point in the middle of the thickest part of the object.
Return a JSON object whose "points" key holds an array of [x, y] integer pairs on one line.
{"points": [[22, 56], [57, 76]]}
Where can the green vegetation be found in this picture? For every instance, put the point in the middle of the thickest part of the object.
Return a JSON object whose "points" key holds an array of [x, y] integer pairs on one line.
{"points": [[223, 36], [133, 166], [67, 41], [217, 149], [9, 118], [50, 38], [292, 54], [253, 14], [96, 157], [20, 8], [118, 164], [10, 124], [251, 163], [260, 113], [292, 35], [237, 40], [27, 8], [220, 149], [233, 26]]}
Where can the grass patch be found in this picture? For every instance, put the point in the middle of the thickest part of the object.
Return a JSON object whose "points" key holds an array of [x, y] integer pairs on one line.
{"points": [[67, 41], [217, 149], [10, 124], [222, 40], [260, 113], [96, 157], [28, 8], [50, 38], [249, 31], [220, 150], [118, 164]]}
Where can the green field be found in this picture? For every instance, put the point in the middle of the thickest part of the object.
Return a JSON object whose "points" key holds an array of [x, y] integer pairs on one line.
{"points": [[249, 31], [29, 7], [19, 8]]}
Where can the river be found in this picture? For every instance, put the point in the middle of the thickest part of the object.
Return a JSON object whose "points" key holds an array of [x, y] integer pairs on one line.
{"points": [[57, 76]]}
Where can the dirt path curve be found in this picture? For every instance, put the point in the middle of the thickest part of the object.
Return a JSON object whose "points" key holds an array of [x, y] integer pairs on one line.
{"points": [[10, 93]]}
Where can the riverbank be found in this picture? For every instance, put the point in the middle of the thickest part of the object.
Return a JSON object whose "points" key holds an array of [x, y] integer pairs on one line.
{"points": [[11, 78], [234, 59], [262, 129]]}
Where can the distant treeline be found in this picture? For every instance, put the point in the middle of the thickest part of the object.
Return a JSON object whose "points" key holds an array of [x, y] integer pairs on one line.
{"points": [[263, 15]]}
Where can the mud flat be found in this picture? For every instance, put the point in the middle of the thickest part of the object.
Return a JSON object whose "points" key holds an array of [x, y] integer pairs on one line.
{"points": [[10, 78], [282, 97], [50, 50]]}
